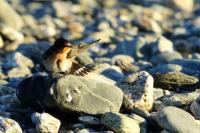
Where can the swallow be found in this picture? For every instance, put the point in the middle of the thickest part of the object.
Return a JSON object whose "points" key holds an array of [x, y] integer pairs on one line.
{"points": [[60, 58]]}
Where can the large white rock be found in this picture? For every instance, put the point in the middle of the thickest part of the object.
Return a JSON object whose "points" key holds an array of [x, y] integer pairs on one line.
{"points": [[139, 87]]}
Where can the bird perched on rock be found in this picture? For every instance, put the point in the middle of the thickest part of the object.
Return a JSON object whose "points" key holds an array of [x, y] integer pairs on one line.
{"points": [[60, 58]]}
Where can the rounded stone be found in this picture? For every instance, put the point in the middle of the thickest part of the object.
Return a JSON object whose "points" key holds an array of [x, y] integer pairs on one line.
{"points": [[119, 123], [89, 120], [177, 120], [45, 123], [9, 126], [195, 108]]}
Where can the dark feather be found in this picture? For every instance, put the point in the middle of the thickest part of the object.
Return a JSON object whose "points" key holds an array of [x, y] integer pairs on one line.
{"points": [[81, 70]]}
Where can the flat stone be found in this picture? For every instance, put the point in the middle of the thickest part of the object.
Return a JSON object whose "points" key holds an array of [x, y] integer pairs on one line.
{"points": [[89, 120], [179, 99], [171, 79], [71, 94], [177, 120], [120, 123]]}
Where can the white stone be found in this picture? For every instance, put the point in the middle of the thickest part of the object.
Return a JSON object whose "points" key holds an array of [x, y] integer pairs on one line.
{"points": [[45, 123], [139, 86], [9, 126]]}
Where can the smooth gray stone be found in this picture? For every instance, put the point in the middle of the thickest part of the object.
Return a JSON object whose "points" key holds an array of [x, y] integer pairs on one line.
{"points": [[70, 94], [177, 120]]}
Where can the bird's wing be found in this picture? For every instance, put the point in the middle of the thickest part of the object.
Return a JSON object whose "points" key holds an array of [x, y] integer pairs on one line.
{"points": [[81, 70]]}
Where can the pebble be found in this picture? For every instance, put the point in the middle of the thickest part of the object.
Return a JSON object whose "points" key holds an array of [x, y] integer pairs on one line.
{"points": [[45, 123], [9, 126], [139, 87], [17, 59], [171, 79], [120, 123], [165, 57], [89, 120], [19, 72], [61, 8], [174, 119], [161, 45], [141, 121], [157, 93], [139, 44], [148, 24], [196, 56], [180, 99], [45, 31], [195, 108], [29, 21], [85, 131], [11, 34], [185, 5], [122, 58], [13, 19], [78, 126]]}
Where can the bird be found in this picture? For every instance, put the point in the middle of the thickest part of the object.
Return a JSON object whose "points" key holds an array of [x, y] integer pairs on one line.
{"points": [[60, 58]]}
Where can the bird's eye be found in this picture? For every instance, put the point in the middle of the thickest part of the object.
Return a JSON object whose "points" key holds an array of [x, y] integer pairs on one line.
{"points": [[67, 44]]}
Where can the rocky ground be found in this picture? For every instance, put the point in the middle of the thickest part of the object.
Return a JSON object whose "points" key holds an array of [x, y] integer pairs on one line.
{"points": [[147, 66]]}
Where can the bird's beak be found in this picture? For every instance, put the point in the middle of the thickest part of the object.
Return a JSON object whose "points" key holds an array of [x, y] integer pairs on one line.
{"points": [[78, 49]]}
